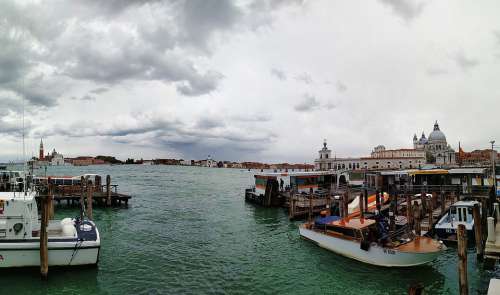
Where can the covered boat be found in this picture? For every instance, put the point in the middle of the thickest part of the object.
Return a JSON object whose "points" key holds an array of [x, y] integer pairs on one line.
{"points": [[367, 241], [458, 213], [71, 241]]}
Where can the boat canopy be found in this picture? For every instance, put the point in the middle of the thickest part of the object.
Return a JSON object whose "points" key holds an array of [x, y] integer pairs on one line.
{"points": [[354, 223]]}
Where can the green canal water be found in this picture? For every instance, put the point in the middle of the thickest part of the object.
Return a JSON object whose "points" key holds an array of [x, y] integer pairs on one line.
{"points": [[188, 230]]}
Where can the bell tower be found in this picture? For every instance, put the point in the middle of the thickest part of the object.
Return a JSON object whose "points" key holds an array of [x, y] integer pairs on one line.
{"points": [[41, 157]]}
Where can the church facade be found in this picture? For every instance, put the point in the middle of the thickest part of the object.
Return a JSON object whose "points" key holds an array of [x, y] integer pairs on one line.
{"points": [[436, 148]]}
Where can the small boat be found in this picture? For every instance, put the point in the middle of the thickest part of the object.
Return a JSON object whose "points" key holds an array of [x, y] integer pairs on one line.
{"points": [[367, 240], [458, 213], [71, 241]]}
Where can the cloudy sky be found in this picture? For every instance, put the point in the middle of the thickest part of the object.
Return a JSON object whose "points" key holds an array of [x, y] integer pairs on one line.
{"points": [[246, 80]]}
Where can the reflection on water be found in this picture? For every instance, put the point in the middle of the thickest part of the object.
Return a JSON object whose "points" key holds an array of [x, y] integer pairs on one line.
{"points": [[189, 231]]}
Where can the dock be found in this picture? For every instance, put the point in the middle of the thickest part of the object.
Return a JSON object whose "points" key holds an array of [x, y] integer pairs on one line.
{"points": [[72, 191]]}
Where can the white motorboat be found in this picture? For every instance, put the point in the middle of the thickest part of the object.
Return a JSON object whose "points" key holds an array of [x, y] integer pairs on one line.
{"points": [[458, 213], [71, 241], [360, 239]]}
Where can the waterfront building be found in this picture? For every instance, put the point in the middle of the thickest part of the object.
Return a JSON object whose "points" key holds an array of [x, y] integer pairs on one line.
{"points": [[476, 157], [56, 159], [436, 148], [380, 158]]}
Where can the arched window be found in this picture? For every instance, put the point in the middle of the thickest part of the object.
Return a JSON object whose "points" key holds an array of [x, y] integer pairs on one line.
{"points": [[326, 156]]}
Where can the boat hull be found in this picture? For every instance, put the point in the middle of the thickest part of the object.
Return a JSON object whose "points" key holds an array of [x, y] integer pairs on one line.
{"points": [[25, 254], [375, 255]]}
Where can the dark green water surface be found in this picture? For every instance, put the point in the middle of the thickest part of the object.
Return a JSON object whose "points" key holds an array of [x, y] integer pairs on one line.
{"points": [[188, 230]]}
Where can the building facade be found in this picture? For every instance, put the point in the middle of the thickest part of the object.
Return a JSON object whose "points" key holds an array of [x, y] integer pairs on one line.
{"points": [[380, 158], [436, 148]]}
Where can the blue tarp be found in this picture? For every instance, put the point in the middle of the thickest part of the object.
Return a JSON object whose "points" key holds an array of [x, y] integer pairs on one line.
{"points": [[326, 220]]}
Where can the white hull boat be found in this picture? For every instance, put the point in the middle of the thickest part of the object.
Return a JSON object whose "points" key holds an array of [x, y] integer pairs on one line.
{"points": [[70, 241], [350, 239]]}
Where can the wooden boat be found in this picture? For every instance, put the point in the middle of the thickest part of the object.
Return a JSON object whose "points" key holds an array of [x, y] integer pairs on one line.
{"points": [[70, 241], [362, 240]]}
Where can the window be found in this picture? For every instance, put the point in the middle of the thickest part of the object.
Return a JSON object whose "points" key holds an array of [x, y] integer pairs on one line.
{"points": [[357, 165], [326, 156], [351, 167]]}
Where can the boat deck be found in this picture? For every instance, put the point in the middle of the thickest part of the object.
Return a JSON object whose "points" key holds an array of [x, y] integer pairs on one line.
{"points": [[420, 245]]}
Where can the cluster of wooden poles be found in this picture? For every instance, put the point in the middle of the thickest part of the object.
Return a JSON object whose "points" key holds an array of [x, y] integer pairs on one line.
{"points": [[481, 223], [47, 213]]}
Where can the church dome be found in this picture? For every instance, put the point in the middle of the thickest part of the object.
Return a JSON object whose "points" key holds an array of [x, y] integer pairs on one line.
{"points": [[436, 134]]}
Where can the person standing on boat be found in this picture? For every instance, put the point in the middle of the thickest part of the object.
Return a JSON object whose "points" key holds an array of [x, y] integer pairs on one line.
{"points": [[282, 184]]}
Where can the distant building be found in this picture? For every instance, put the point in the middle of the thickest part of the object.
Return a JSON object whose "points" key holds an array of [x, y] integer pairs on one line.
{"points": [[380, 159], [85, 161], [476, 157], [56, 159], [209, 162], [435, 146]]}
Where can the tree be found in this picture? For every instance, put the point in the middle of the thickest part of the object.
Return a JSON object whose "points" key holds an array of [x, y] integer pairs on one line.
{"points": [[429, 158]]}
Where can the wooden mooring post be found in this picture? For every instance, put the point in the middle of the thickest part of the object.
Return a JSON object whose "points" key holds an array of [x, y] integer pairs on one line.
{"points": [[377, 201], [361, 205], [443, 202], [416, 217], [416, 289], [82, 197], [50, 199], [392, 213], [44, 251], [90, 192], [462, 260], [478, 232], [430, 207], [345, 204], [365, 193], [409, 212], [310, 205], [108, 190]]}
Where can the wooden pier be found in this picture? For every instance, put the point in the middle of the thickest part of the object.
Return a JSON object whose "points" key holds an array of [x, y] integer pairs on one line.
{"points": [[91, 193]]}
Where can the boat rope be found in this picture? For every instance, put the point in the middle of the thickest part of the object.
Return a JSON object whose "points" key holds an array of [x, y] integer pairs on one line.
{"points": [[78, 244]]}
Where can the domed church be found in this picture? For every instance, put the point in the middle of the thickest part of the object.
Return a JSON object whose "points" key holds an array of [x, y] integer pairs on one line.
{"points": [[435, 146]]}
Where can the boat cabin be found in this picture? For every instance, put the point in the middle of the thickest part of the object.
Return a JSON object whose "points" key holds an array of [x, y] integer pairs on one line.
{"points": [[458, 213], [11, 181], [18, 215]]}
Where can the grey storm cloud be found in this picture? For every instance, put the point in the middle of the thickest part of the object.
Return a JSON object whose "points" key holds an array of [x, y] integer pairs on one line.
{"points": [[496, 33], [406, 9], [194, 140], [341, 87], [304, 77], [280, 74], [86, 97], [131, 49], [436, 71], [99, 90], [210, 122], [464, 62], [307, 104]]}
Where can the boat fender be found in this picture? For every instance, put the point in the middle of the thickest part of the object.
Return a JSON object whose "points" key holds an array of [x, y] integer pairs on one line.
{"points": [[365, 245]]}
